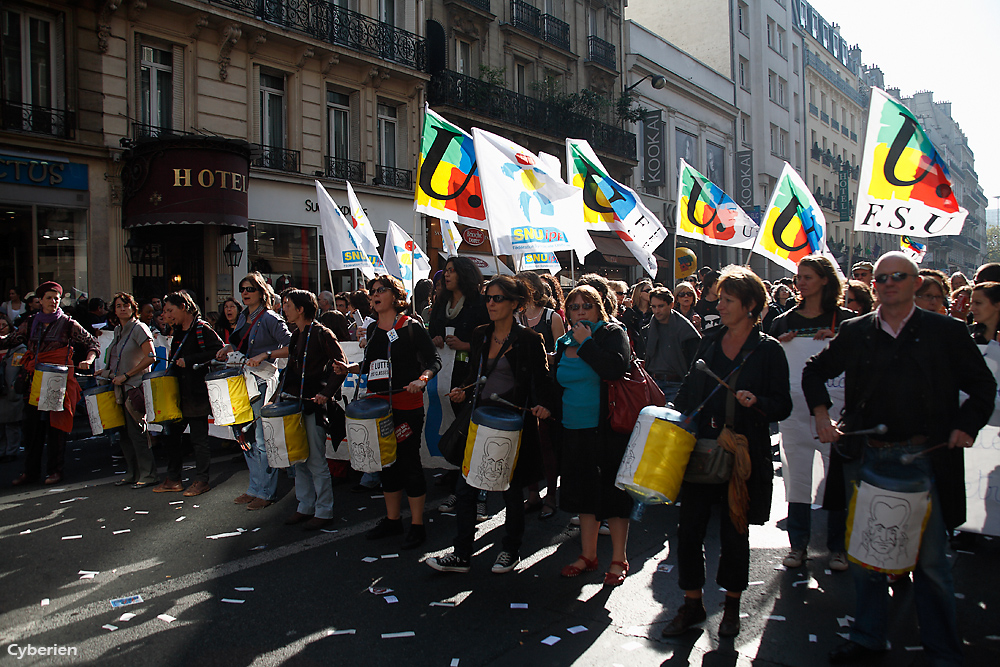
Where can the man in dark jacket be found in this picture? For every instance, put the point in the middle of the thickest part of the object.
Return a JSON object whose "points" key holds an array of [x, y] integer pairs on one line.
{"points": [[671, 343], [904, 367]]}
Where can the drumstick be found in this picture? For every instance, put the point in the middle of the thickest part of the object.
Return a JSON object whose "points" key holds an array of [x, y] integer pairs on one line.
{"points": [[497, 399], [881, 429], [480, 381], [907, 459], [703, 367]]}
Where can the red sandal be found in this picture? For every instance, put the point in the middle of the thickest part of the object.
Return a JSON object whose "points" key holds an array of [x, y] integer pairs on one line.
{"points": [[612, 579], [574, 571]]}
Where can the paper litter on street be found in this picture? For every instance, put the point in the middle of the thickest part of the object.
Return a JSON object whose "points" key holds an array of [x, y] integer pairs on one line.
{"points": [[89, 575], [960, 596], [390, 555], [333, 633], [379, 590], [914, 648], [141, 512], [518, 605], [45, 603], [576, 629], [109, 627], [813, 639], [551, 639], [221, 535], [119, 532], [398, 635], [756, 583], [323, 530], [775, 617], [127, 600], [664, 567], [176, 502], [88, 572], [69, 500], [391, 599], [180, 518], [25, 532], [233, 601], [72, 537], [167, 618], [454, 662], [126, 509], [244, 589], [442, 604], [126, 617], [369, 559]]}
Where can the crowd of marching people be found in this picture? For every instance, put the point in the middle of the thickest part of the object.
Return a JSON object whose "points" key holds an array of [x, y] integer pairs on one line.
{"points": [[524, 348]]}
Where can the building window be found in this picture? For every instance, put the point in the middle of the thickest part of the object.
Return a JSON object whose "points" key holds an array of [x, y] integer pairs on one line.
{"points": [[156, 87], [780, 43], [33, 67], [464, 57], [272, 110], [782, 86], [285, 254], [338, 107], [742, 17], [783, 143], [594, 23], [795, 59], [387, 11], [772, 29], [387, 120], [745, 130], [795, 105], [744, 73], [774, 140], [520, 75]]}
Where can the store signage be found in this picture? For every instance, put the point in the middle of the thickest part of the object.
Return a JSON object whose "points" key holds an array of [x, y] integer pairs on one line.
{"points": [[187, 185], [43, 173], [473, 236], [653, 149], [744, 179]]}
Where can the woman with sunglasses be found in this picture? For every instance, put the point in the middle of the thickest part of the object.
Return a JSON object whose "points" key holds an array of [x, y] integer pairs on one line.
{"points": [[685, 301], [400, 359], [985, 312], [757, 369], [512, 358], [858, 297], [934, 291], [593, 352], [257, 334], [635, 312]]}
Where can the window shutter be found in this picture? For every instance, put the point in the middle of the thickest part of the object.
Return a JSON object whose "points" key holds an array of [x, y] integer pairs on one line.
{"points": [[59, 62], [177, 79], [137, 81], [254, 132], [355, 123], [402, 145]]}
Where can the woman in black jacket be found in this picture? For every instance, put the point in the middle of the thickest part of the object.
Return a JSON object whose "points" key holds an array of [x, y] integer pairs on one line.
{"points": [[594, 352], [513, 360], [758, 371]]}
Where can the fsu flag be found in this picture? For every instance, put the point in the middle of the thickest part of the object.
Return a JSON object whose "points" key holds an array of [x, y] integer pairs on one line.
{"points": [[904, 186], [793, 225], [913, 248], [447, 175], [708, 214], [609, 205]]}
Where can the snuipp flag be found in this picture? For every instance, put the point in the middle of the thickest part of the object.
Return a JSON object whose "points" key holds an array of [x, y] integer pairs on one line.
{"points": [[609, 205], [447, 176], [529, 208], [708, 214], [904, 186], [913, 248], [793, 225], [539, 261], [343, 247], [404, 258], [364, 230]]}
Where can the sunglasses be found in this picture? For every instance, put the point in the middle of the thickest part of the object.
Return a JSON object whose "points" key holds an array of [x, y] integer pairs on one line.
{"points": [[381, 290], [684, 294], [573, 307], [895, 276], [247, 289], [495, 298]]}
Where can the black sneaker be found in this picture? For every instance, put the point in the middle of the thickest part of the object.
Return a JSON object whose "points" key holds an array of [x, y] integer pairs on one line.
{"points": [[450, 563], [505, 562], [481, 513], [449, 504], [416, 536], [386, 527], [691, 613]]}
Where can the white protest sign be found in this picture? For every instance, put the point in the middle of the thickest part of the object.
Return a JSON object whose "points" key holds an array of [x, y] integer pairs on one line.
{"points": [[982, 466]]}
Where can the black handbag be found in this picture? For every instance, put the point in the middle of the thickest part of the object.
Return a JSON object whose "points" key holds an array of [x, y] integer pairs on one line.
{"points": [[710, 462]]}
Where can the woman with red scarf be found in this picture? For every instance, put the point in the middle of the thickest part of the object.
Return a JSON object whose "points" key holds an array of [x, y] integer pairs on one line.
{"points": [[50, 336]]}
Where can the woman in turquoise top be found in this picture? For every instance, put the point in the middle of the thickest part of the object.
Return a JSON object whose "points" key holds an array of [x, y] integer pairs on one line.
{"points": [[593, 352]]}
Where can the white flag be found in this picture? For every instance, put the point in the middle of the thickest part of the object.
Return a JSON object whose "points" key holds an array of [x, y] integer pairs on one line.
{"points": [[360, 222], [529, 208], [404, 258], [449, 234], [539, 261], [343, 248]]}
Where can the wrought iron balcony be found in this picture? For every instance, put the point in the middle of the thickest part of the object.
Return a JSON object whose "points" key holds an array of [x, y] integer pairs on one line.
{"points": [[273, 157], [505, 106], [854, 137], [824, 116], [526, 17], [144, 131], [391, 177], [815, 152], [481, 4], [555, 31], [601, 52], [326, 21], [344, 169], [17, 117], [816, 62], [814, 110], [834, 124]]}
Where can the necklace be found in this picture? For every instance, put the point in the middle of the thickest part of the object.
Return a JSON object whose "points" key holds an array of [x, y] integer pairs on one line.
{"points": [[535, 317], [501, 341]]}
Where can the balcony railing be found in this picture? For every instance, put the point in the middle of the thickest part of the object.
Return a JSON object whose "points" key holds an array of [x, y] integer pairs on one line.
{"points": [[834, 124], [601, 52], [344, 169], [273, 157], [824, 116], [481, 4], [505, 106], [827, 72], [555, 31], [326, 21], [814, 110], [145, 131], [854, 137], [391, 177], [17, 117], [815, 152], [526, 17]]}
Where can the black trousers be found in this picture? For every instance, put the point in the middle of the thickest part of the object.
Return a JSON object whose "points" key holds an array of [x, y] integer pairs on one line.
{"points": [[407, 473], [38, 430], [468, 495], [175, 448], [696, 510]]}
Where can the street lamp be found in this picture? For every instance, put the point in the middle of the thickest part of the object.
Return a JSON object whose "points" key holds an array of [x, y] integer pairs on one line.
{"points": [[657, 82], [134, 249], [233, 253]]}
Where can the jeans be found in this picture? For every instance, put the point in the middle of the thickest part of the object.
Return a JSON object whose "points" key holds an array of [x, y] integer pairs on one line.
{"points": [[263, 481], [468, 496], [933, 587], [10, 439], [800, 527], [139, 461], [734, 560], [199, 442], [313, 484], [668, 388]]}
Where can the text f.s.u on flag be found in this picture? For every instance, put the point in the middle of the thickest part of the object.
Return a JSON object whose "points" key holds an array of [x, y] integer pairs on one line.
{"points": [[706, 213], [904, 186], [793, 225], [447, 174]]}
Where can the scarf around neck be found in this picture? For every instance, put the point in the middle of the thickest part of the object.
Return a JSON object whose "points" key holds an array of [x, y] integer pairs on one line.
{"points": [[41, 318]]}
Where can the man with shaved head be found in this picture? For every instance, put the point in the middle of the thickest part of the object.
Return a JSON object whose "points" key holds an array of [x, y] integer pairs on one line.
{"points": [[903, 367]]}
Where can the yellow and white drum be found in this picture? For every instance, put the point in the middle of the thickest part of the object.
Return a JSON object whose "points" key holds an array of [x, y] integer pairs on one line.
{"points": [[163, 397], [103, 410], [48, 387], [492, 448], [229, 398], [371, 435], [285, 439], [657, 455]]}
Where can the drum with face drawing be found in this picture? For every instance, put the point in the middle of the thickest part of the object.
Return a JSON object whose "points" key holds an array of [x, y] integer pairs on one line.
{"points": [[492, 447], [103, 410], [48, 387], [162, 392], [657, 455], [285, 439], [229, 398], [371, 434]]}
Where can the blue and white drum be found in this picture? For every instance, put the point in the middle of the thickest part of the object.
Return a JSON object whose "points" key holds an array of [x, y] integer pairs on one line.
{"points": [[285, 439], [371, 434]]}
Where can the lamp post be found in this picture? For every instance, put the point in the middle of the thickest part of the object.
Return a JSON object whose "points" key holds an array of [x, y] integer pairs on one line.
{"points": [[233, 253], [657, 82], [136, 250]]}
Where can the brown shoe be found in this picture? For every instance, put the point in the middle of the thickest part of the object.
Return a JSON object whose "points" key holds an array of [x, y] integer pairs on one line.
{"points": [[243, 499], [169, 485], [298, 517], [196, 489], [316, 523], [54, 478], [23, 479], [259, 504]]}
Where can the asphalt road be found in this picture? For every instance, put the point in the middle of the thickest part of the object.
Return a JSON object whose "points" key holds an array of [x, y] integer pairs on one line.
{"points": [[311, 602]]}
